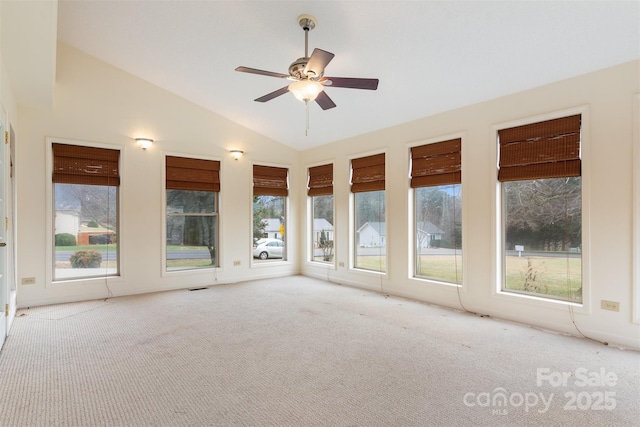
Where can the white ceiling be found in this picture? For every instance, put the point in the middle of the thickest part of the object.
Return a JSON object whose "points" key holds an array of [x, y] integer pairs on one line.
{"points": [[430, 56]]}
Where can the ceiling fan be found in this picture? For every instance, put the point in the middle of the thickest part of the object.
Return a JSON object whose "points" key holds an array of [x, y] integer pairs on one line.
{"points": [[307, 74]]}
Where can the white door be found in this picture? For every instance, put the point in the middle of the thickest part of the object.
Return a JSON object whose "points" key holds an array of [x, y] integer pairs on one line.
{"points": [[4, 290]]}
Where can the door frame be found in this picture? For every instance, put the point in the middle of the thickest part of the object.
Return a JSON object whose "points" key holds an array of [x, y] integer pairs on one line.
{"points": [[8, 291]]}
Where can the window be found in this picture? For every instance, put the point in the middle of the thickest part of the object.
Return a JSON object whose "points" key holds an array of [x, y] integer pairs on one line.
{"points": [[540, 170], [437, 227], [192, 187], [270, 191], [85, 195], [320, 187], [370, 230]]}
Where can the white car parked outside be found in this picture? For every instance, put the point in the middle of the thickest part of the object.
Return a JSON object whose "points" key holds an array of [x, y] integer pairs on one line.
{"points": [[268, 248]]}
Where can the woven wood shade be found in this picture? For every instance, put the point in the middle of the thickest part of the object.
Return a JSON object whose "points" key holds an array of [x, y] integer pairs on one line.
{"points": [[321, 180], [75, 164], [270, 181], [549, 149], [436, 164], [192, 174], [367, 173]]}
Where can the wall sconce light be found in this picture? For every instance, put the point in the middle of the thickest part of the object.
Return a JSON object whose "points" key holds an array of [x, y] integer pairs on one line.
{"points": [[236, 154], [144, 143]]}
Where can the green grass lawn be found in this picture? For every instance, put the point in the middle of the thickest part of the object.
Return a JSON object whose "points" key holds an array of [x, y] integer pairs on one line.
{"points": [[188, 263], [99, 248], [113, 247], [554, 276], [372, 262], [558, 277], [441, 267]]}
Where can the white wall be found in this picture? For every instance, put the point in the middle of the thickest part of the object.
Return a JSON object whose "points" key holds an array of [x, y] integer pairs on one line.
{"points": [[605, 98], [96, 102]]}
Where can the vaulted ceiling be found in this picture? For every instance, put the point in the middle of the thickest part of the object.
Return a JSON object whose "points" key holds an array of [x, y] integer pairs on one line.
{"points": [[430, 56]]}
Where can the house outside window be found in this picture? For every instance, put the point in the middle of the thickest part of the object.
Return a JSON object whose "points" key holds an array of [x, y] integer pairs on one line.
{"points": [[540, 175]]}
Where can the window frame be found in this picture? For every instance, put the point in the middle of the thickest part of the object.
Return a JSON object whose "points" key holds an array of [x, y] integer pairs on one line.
{"points": [[497, 234], [215, 214], [311, 216], [50, 280], [352, 219], [255, 263], [411, 210]]}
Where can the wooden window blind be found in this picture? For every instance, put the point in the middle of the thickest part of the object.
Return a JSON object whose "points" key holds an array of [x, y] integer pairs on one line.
{"points": [[270, 181], [321, 180], [436, 164], [75, 164], [192, 174], [367, 173], [549, 149]]}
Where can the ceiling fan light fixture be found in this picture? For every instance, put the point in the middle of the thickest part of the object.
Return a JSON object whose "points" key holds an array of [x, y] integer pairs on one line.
{"points": [[305, 90]]}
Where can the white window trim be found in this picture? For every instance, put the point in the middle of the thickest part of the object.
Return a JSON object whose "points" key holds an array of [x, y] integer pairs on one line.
{"points": [[352, 230], [411, 212], [163, 220], [497, 225], [49, 240], [308, 237], [287, 213]]}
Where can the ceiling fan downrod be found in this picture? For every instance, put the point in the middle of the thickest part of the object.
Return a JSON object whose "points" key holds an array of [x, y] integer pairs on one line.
{"points": [[308, 23]]}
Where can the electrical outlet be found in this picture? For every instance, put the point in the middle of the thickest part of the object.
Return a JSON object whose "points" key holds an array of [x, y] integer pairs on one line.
{"points": [[609, 305], [236, 263], [341, 264], [28, 281]]}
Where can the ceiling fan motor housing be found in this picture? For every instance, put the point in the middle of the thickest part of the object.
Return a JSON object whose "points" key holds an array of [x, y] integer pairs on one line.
{"points": [[296, 70]]}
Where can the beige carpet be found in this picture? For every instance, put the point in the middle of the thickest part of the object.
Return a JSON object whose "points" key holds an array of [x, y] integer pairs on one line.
{"points": [[301, 352]]}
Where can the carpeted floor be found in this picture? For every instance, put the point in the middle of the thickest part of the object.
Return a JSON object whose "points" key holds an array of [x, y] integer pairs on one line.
{"points": [[301, 352]]}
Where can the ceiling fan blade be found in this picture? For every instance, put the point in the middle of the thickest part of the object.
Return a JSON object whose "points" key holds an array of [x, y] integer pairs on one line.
{"points": [[317, 61], [324, 101], [273, 94], [261, 72], [351, 83]]}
